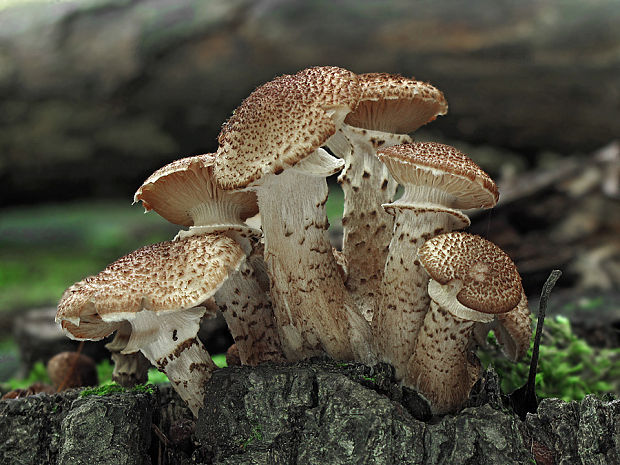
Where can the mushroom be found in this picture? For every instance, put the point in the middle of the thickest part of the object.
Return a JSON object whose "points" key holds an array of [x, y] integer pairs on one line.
{"points": [[271, 144], [390, 107], [438, 182], [157, 290], [185, 193], [472, 280], [69, 370], [513, 331], [129, 369]]}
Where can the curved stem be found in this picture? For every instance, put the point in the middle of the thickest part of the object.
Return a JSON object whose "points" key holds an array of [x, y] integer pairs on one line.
{"points": [[404, 296], [367, 228], [249, 316], [314, 312], [439, 368]]}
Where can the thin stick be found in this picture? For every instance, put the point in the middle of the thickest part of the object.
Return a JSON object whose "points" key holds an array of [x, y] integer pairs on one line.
{"points": [[523, 399], [542, 310]]}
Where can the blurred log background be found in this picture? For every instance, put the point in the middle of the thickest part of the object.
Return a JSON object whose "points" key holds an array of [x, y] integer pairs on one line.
{"points": [[97, 94]]}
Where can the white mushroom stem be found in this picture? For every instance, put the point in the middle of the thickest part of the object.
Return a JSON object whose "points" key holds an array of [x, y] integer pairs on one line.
{"points": [[249, 316], [441, 368], [129, 369], [367, 228], [312, 307], [405, 301], [169, 341], [224, 217]]}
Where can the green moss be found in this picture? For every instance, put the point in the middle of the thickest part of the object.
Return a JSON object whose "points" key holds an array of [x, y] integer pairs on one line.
{"points": [[114, 388], [255, 435], [38, 374], [103, 390], [220, 360], [568, 367]]}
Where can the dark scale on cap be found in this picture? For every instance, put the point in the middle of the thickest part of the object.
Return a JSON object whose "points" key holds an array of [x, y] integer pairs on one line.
{"points": [[292, 108], [491, 283], [443, 167]]}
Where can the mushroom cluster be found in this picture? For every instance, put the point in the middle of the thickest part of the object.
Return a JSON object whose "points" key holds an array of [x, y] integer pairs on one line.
{"points": [[407, 287]]}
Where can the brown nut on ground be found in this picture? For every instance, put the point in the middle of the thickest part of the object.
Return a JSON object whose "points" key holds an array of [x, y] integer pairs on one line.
{"points": [[472, 280]]}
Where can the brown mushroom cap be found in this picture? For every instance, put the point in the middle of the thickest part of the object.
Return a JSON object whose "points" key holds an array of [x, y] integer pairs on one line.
{"points": [[69, 370], [490, 281], [160, 277], [282, 122], [395, 104], [174, 190], [444, 168], [514, 330]]}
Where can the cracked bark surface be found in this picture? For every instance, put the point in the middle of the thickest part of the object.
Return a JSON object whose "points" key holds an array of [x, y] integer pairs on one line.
{"points": [[306, 413]]}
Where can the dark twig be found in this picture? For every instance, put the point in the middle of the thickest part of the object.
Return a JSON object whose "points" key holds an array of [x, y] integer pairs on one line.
{"points": [[523, 399], [162, 437]]}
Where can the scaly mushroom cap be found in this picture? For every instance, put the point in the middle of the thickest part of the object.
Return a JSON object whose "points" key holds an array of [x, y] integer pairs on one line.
{"points": [[490, 281], [282, 122], [514, 330], [160, 277], [395, 104], [444, 168], [177, 189]]}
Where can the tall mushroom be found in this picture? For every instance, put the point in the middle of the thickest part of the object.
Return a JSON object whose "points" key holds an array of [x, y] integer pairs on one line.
{"points": [[156, 289], [185, 193], [271, 144], [390, 107], [438, 182], [472, 280]]}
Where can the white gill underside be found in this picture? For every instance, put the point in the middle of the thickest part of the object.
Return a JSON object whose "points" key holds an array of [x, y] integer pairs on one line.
{"points": [[367, 228], [221, 217], [169, 341], [446, 296], [249, 316], [312, 307]]}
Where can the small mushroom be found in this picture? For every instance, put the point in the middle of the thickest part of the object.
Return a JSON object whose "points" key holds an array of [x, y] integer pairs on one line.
{"points": [[156, 289], [184, 192], [438, 182], [232, 356], [271, 144], [472, 280], [512, 329], [390, 107], [68, 370], [129, 369]]}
